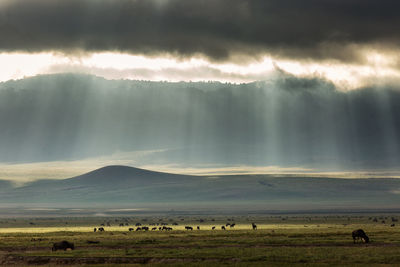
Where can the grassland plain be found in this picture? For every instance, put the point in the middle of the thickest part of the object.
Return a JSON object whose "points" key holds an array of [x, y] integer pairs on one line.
{"points": [[304, 240]]}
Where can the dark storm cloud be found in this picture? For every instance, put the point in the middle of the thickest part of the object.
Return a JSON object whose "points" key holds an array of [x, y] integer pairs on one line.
{"points": [[319, 29]]}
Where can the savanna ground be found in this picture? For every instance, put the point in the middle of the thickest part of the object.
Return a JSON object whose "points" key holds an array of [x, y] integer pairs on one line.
{"points": [[286, 240]]}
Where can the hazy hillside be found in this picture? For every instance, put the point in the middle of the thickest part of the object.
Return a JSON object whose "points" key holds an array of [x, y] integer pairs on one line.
{"points": [[5, 186], [288, 121], [126, 186]]}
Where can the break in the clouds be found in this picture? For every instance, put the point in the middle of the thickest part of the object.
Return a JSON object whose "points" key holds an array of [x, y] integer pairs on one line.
{"points": [[352, 43], [219, 30]]}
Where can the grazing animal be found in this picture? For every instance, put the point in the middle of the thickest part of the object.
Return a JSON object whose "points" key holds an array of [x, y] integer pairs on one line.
{"points": [[63, 245], [359, 235], [138, 224], [392, 225], [198, 227], [228, 224], [254, 226], [223, 227], [101, 229], [213, 228], [130, 229], [189, 228], [145, 228], [139, 229], [121, 224], [154, 228], [232, 225], [95, 229]]}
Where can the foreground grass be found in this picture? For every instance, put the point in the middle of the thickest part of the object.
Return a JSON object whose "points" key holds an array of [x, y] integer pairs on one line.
{"points": [[293, 242]]}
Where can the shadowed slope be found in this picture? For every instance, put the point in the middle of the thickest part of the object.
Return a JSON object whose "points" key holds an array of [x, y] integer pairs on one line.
{"points": [[120, 185]]}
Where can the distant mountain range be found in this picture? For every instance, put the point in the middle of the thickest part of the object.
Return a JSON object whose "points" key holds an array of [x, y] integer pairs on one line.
{"points": [[132, 187]]}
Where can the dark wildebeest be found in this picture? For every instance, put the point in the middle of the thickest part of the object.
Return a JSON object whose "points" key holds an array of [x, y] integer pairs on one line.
{"points": [[213, 228], [138, 224], [198, 227], [121, 224], [154, 228], [232, 225], [223, 227], [392, 225], [101, 229], [359, 234], [130, 229], [254, 226], [63, 245], [145, 228], [228, 224], [189, 228], [139, 229], [95, 229]]}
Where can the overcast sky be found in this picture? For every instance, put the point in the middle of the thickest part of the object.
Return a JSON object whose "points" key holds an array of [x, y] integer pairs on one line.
{"points": [[350, 42], [329, 72]]}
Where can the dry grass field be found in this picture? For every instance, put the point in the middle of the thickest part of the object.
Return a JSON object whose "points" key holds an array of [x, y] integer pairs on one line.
{"points": [[305, 240]]}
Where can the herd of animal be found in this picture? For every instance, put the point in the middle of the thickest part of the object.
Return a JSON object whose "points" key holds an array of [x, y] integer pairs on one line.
{"points": [[167, 228], [358, 235]]}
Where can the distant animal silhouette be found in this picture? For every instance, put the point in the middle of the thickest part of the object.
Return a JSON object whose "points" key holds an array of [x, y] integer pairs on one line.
{"points": [[392, 225], [145, 228], [254, 226], [232, 225], [154, 228], [131, 229], [198, 227], [101, 229], [223, 227], [139, 229], [95, 229], [359, 235], [228, 224], [63, 245], [213, 228], [189, 228]]}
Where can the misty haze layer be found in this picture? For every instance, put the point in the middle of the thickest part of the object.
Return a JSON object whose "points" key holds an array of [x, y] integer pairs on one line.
{"points": [[287, 121]]}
